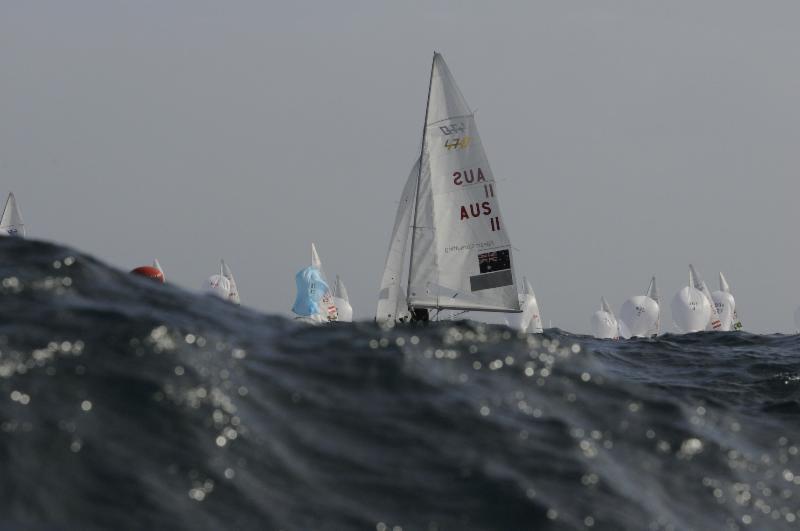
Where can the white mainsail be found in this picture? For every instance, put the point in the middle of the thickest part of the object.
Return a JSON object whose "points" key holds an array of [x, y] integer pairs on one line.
{"points": [[11, 223], [233, 293], [342, 301], [535, 325], [392, 304], [460, 250], [604, 323], [157, 265], [652, 292]]}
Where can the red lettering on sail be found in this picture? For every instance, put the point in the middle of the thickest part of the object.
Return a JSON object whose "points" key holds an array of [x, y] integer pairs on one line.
{"points": [[469, 176], [474, 210]]}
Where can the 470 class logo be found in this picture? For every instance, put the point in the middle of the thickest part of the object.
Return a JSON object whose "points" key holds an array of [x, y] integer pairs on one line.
{"points": [[457, 143]]}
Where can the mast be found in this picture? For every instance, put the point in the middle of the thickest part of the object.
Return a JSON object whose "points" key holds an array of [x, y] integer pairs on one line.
{"points": [[419, 178]]}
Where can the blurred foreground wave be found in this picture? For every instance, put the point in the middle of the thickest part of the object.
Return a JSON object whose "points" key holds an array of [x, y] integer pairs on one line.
{"points": [[127, 405]]}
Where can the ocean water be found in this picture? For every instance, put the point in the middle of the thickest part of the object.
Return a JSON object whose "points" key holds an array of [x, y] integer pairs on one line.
{"points": [[129, 405]]}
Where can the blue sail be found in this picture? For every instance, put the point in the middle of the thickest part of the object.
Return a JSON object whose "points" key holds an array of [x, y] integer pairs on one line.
{"points": [[310, 290]]}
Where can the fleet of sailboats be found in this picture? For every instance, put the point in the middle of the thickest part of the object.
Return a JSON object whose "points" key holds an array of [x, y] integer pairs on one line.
{"points": [[450, 248]]}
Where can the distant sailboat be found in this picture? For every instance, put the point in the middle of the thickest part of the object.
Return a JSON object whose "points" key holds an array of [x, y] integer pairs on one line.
{"points": [[314, 301], [233, 290], [604, 322], [532, 305], [218, 285], [652, 292], [725, 305], [459, 250], [11, 223], [639, 315], [342, 301], [691, 309], [157, 265], [714, 322], [797, 319], [529, 319]]}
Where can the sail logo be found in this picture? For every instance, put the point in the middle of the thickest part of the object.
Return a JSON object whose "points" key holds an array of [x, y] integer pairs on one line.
{"points": [[12, 231], [452, 129], [457, 143]]}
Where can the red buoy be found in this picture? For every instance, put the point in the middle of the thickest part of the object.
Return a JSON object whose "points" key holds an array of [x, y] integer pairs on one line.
{"points": [[149, 272]]}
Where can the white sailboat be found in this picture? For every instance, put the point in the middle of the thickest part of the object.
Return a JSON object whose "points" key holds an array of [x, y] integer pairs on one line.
{"points": [[532, 305], [459, 251], [529, 319], [639, 315], [714, 322], [218, 285], [691, 309], [233, 290], [314, 301], [342, 301], [11, 223], [604, 322], [725, 305], [797, 319]]}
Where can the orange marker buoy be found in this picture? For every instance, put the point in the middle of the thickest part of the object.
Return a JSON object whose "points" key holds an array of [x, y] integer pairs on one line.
{"points": [[149, 272]]}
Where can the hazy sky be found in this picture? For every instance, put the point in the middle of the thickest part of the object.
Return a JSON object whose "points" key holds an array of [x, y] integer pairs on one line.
{"points": [[628, 138]]}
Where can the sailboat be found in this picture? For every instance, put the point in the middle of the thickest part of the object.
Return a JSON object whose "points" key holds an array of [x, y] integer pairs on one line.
{"points": [[314, 301], [157, 265], [714, 322], [640, 314], [652, 292], [459, 253], [691, 308], [529, 320], [725, 305], [797, 319], [604, 322], [342, 301], [11, 223], [233, 290], [218, 285]]}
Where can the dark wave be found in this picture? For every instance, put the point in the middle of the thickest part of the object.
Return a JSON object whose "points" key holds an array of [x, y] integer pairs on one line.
{"points": [[130, 405]]}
